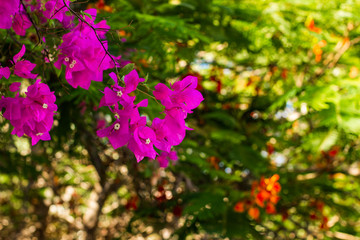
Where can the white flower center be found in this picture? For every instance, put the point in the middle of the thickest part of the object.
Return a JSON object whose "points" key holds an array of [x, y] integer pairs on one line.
{"points": [[66, 59], [73, 62], [39, 134], [148, 141], [71, 65], [45, 106], [117, 126], [119, 93]]}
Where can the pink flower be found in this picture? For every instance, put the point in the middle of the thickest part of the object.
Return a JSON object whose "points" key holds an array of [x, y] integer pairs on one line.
{"points": [[7, 9], [101, 123], [161, 131], [83, 55], [130, 128], [56, 9], [118, 133], [23, 68], [39, 97], [12, 105], [12, 14], [4, 72], [175, 121], [32, 115], [20, 23], [165, 157], [186, 94], [132, 110], [183, 94], [15, 87], [142, 143], [121, 94], [178, 102]]}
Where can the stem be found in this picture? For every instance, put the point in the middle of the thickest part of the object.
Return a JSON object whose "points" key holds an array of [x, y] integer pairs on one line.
{"points": [[148, 95], [32, 22]]}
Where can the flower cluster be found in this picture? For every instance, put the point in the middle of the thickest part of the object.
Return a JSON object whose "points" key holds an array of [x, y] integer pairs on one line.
{"points": [[310, 24], [83, 54], [56, 9], [32, 115], [264, 195], [131, 129], [179, 100], [13, 15], [21, 67]]}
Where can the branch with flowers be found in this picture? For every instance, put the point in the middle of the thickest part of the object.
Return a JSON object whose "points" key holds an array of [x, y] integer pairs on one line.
{"points": [[84, 54]]}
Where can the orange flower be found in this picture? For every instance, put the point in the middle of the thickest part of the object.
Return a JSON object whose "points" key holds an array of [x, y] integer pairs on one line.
{"points": [[254, 212], [311, 26], [317, 50], [272, 184], [261, 197], [274, 199], [239, 207], [100, 5], [270, 208], [317, 58], [263, 194]]}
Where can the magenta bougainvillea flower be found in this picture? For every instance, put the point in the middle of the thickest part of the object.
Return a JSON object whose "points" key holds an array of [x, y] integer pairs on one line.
{"points": [[82, 53], [163, 134], [164, 158], [161, 130], [178, 102], [170, 132], [183, 94], [4, 72], [32, 115], [128, 119], [23, 68], [118, 133], [20, 23], [56, 9], [121, 94], [7, 9], [142, 142], [132, 110], [13, 15]]}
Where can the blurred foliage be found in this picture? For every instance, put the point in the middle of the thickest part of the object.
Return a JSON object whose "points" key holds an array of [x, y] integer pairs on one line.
{"points": [[282, 95]]}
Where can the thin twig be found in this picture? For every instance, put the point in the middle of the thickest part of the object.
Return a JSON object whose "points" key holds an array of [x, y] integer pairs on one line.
{"points": [[148, 95], [32, 22]]}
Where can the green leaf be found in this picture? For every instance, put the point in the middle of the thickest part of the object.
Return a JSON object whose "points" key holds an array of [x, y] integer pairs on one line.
{"points": [[127, 69], [86, 14]]}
